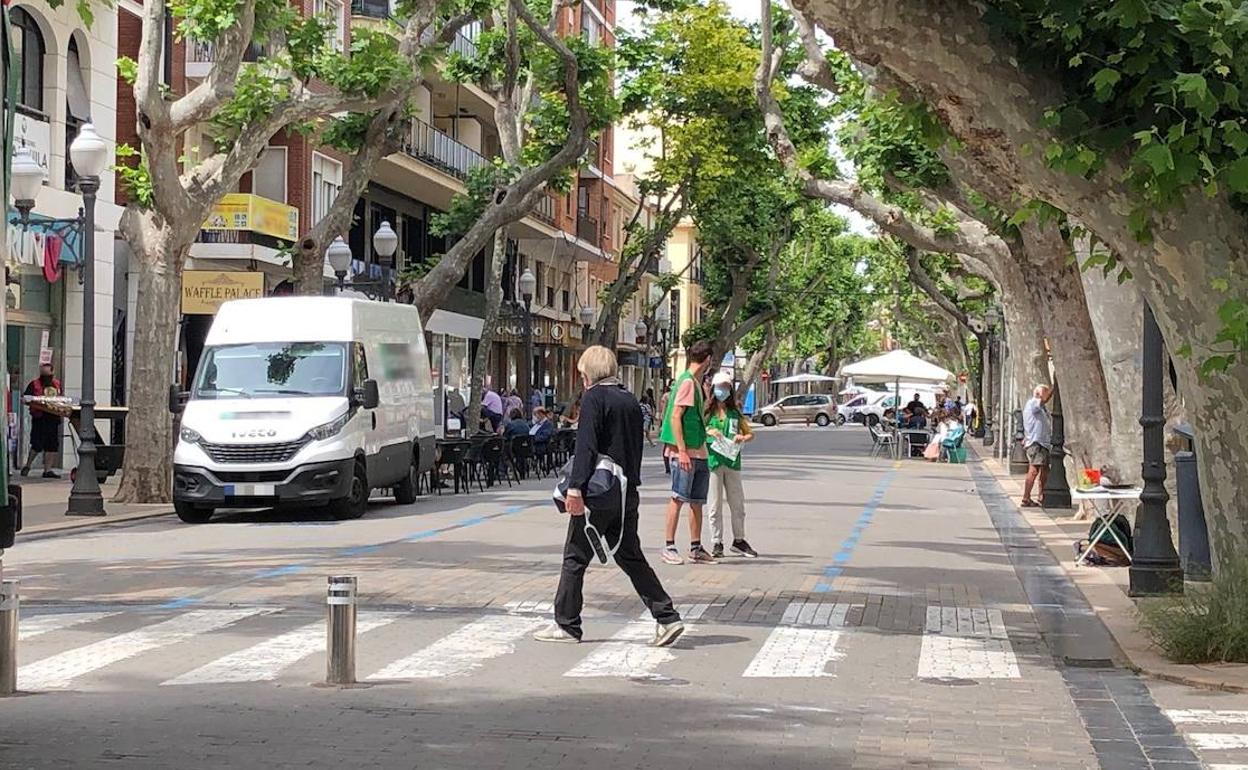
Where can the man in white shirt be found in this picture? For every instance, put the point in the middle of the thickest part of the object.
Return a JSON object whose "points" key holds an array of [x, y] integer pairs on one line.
{"points": [[1037, 442]]}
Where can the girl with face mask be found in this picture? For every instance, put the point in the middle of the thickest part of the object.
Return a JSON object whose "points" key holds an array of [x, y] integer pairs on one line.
{"points": [[724, 423]]}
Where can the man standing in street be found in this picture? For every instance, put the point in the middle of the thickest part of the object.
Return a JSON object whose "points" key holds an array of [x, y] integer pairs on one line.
{"points": [[1037, 441], [684, 442]]}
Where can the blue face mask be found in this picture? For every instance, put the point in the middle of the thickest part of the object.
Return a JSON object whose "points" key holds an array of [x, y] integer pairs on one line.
{"points": [[721, 394]]}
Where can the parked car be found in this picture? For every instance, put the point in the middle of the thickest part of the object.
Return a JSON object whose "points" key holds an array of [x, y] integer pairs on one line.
{"points": [[819, 408], [306, 401], [857, 409]]}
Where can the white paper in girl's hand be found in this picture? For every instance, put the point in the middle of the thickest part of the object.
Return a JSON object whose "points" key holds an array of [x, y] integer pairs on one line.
{"points": [[726, 447]]}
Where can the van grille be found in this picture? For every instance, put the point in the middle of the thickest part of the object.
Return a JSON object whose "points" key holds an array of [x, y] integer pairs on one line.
{"points": [[252, 453]]}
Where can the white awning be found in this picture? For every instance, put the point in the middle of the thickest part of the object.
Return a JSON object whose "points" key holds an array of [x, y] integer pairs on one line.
{"points": [[803, 378], [455, 324], [894, 366]]}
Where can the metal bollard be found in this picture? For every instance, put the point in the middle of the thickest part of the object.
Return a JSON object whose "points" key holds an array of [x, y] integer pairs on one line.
{"points": [[8, 636], [340, 627], [1193, 529]]}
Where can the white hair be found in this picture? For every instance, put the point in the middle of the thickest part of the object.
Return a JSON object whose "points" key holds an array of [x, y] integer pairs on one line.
{"points": [[1041, 388]]}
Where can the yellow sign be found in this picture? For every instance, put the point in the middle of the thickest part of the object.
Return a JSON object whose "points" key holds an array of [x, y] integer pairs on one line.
{"points": [[203, 291], [242, 211]]}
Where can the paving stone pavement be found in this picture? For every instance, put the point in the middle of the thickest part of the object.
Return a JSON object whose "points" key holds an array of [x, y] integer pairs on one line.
{"points": [[884, 626]]}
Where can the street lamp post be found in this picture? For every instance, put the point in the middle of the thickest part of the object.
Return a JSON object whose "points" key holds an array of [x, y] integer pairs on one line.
{"points": [[641, 332], [527, 284], [1056, 492], [587, 324], [89, 155], [1155, 567], [663, 317], [385, 243], [991, 318]]}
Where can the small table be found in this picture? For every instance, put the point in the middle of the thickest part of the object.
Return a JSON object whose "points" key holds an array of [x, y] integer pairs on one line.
{"points": [[913, 437], [1100, 500]]}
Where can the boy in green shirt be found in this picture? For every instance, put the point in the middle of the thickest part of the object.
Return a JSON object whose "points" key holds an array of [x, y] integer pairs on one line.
{"points": [[684, 441]]}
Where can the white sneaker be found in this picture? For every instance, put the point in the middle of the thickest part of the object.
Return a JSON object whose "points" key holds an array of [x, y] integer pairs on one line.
{"points": [[671, 556], [665, 635], [556, 633]]}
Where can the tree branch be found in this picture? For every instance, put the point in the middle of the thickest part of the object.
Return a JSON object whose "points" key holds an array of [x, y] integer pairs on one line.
{"points": [[924, 281], [814, 69]]}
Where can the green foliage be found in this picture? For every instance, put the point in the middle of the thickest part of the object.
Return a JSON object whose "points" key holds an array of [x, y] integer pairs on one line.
{"points": [[347, 134], [135, 178], [482, 185], [1157, 79], [1207, 624], [127, 69]]}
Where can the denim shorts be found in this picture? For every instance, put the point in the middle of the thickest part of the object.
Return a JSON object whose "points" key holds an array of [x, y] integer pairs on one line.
{"points": [[691, 486]]}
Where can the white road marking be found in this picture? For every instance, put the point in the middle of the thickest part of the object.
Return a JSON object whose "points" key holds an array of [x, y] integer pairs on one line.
{"points": [[1206, 716], [533, 607], [264, 661], [629, 654], [966, 643], [60, 670], [38, 625], [1228, 767], [1218, 741], [792, 652], [464, 650]]}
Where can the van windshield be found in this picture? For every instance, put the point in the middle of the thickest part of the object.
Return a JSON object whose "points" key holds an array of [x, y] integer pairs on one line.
{"points": [[272, 370]]}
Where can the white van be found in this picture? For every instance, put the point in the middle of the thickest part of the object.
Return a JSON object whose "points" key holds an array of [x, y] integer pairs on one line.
{"points": [[308, 401]]}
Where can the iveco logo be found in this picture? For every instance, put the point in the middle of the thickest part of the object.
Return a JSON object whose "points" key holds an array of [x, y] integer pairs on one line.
{"points": [[254, 433]]}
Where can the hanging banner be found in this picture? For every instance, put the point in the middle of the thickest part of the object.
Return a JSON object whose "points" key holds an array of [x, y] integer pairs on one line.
{"points": [[242, 211], [203, 291]]}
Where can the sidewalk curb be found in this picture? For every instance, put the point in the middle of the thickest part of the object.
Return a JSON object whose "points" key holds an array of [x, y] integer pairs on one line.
{"points": [[85, 522], [1114, 608]]}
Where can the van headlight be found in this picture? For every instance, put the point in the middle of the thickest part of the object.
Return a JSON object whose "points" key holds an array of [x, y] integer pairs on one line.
{"points": [[329, 429], [189, 436]]}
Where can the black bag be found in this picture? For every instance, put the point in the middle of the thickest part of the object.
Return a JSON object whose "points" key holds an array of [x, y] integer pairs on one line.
{"points": [[604, 493]]}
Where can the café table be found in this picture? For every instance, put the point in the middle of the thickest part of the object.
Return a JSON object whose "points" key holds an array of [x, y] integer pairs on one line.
{"points": [[1101, 500], [915, 437]]}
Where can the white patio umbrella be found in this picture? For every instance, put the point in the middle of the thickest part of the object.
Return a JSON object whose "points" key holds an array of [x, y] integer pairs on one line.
{"points": [[896, 366], [803, 379]]}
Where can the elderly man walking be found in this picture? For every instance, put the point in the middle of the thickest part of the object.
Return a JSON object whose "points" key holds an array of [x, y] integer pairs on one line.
{"points": [[1037, 442]]}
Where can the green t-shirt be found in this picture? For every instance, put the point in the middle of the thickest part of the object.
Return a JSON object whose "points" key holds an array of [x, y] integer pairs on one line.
{"points": [[728, 425], [691, 419]]}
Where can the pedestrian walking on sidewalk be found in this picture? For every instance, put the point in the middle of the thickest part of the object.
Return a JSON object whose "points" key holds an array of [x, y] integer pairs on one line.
{"points": [[724, 421], [1037, 442], [609, 426], [45, 426], [684, 438]]}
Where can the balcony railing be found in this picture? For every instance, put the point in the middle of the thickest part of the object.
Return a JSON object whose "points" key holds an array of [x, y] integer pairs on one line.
{"points": [[434, 148], [587, 229], [374, 9], [199, 51], [545, 209]]}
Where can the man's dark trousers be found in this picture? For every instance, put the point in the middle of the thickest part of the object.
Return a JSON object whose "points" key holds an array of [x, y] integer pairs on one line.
{"points": [[577, 554]]}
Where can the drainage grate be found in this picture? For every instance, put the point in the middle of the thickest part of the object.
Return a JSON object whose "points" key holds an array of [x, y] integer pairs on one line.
{"points": [[949, 681], [1087, 662]]}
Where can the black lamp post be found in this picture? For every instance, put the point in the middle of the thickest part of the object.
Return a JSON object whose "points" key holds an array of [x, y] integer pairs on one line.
{"points": [[1155, 567], [385, 243], [527, 284], [89, 155], [991, 365], [1056, 492]]}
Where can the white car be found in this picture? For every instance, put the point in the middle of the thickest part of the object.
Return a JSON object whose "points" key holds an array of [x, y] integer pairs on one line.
{"points": [[856, 408], [312, 401]]}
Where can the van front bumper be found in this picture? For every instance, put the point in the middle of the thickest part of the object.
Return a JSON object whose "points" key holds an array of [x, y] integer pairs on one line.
{"points": [[316, 483]]}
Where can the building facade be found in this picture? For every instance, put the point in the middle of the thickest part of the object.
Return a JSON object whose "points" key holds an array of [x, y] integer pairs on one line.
{"points": [[66, 77]]}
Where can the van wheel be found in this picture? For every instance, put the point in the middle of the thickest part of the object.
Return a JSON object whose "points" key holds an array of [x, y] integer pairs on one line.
{"points": [[356, 502], [191, 514], [405, 490], [840, 419], [872, 420], [822, 420], [769, 420]]}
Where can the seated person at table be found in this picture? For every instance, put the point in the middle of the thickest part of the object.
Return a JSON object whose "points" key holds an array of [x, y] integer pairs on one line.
{"points": [[543, 428], [890, 417], [949, 428], [516, 425]]}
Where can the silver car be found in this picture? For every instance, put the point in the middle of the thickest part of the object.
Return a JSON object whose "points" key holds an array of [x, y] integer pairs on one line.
{"points": [[819, 408]]}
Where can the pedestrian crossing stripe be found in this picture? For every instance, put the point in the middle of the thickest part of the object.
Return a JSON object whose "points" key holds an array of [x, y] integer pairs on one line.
{"points": [[60, 670], [969, 643], [1207, 717], [38, 625]]}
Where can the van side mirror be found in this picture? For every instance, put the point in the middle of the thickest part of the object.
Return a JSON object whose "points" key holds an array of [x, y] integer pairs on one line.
{"points": [[177, 399], [368, 396]]}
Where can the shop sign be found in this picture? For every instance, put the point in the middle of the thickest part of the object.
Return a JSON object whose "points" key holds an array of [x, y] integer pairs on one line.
{"points": [[241, 211], [203, 291], [36, 136]]}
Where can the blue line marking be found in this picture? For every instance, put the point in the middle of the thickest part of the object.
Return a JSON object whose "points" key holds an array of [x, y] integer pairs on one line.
{"points": [[848, 545], [291, 569]]}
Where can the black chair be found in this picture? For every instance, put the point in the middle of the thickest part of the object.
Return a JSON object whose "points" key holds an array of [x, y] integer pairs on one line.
{"points": [[485, 458], [455, 455], [520, 456]]}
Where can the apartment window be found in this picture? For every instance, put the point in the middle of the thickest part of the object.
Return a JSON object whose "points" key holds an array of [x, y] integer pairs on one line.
{"points": [[326, 182], [332, 9], [268, 178], [566, 301], [582, 200], [590, 26], [28, 45]]}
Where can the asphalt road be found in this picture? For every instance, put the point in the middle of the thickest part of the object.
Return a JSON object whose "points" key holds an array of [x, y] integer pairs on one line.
{"points": [[884, 626]]}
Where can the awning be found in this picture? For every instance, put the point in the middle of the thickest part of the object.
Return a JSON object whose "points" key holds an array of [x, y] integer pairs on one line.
{"points": [[898, 365], [455, 324], [802, 379]]}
